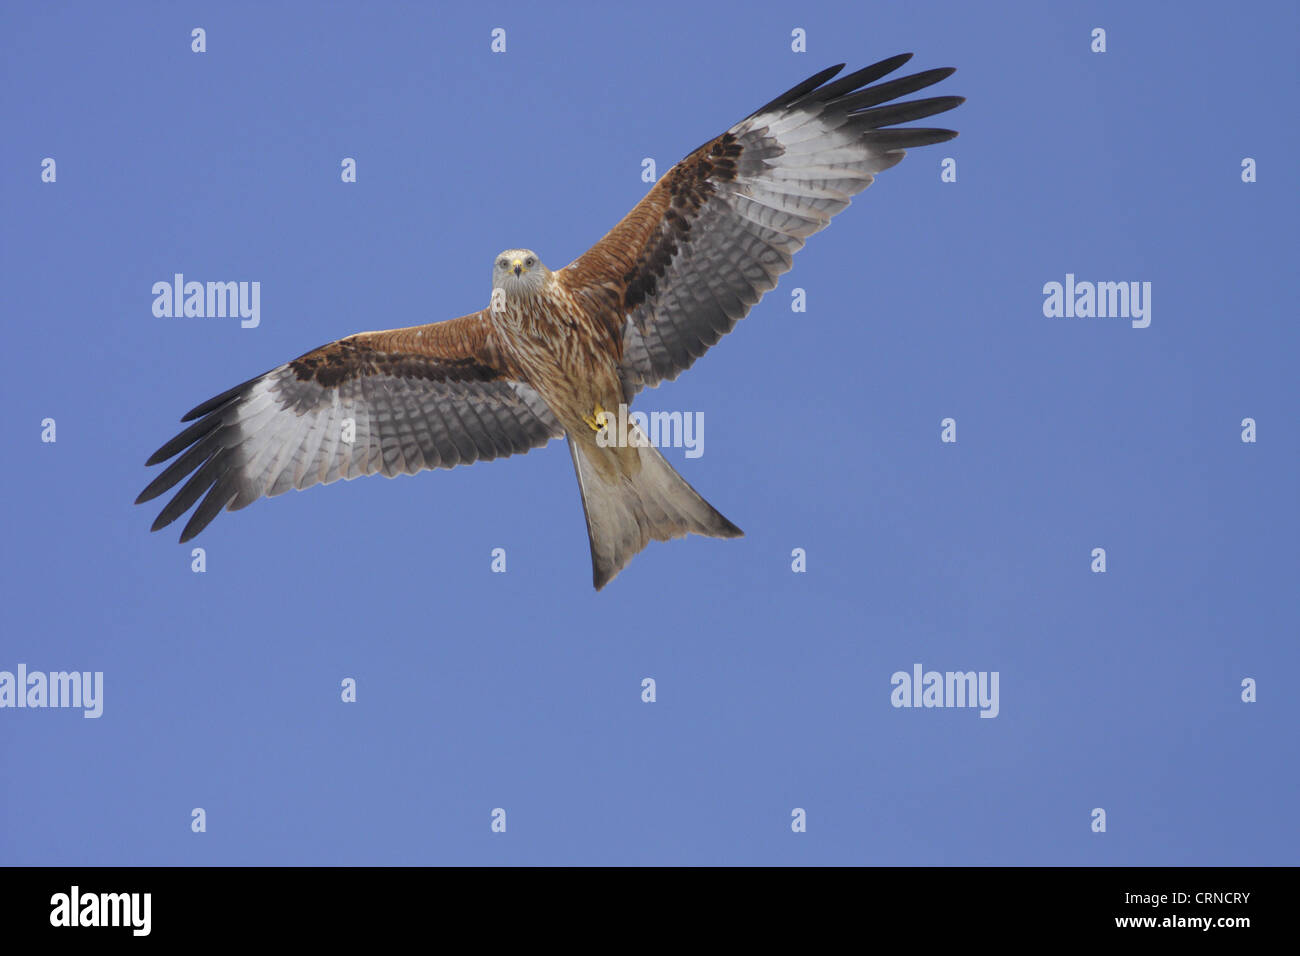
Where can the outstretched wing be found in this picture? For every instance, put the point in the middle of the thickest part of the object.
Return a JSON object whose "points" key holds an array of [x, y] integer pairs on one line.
{"points": [[716, 232], [395, 402]]}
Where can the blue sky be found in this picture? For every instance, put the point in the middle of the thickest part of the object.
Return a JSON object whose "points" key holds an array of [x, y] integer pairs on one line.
{"points": [[1118, 690]]}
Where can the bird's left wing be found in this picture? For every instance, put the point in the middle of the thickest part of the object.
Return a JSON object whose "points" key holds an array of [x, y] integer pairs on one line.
{"points": [[394, 402], [715, 233]]}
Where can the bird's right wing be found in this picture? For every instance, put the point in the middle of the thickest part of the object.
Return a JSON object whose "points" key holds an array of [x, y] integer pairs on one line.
{"points": [[393, 402]]}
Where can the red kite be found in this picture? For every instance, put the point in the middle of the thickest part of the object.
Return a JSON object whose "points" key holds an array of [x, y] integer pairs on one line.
{"points": [[554, 351]]}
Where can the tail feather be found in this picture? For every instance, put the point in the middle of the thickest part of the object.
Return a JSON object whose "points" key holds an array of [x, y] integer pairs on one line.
{"points": [[628, 507]]}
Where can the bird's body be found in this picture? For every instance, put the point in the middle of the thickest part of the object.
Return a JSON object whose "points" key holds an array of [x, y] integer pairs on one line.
{"points": [[570, 359], [555, 352], [564, 338]]}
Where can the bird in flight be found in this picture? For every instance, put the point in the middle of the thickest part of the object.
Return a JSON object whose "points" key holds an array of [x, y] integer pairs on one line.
{"points": [[556, 352]]}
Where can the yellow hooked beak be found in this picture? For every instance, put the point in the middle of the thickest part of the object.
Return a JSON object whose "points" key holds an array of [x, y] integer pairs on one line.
{"points": [[518, 266]]}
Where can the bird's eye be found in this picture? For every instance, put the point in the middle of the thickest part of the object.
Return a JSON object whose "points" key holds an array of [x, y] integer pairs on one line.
{"points": [[530, 262], [501, 263]]}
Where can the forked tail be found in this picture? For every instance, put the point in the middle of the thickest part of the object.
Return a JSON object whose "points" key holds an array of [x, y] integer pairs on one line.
{"points": [[632, 496]]}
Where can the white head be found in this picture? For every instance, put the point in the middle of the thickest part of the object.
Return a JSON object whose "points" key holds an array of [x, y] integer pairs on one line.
{"points": [[519, 273]]}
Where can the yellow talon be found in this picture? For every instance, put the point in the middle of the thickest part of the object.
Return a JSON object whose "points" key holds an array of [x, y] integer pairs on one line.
{"points": [[596, 421]]}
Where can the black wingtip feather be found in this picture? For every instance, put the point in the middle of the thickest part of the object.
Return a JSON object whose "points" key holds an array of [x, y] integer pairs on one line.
{"points": [[907, 137], [193, 458], [893, 89], [212, 404], [207, 475], [860, 78], [895, 113], [186, 438], [222, 493], [796, 93], [818, 88]]}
